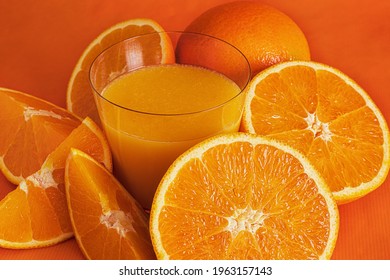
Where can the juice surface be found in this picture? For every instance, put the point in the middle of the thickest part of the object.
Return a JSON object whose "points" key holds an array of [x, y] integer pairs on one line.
{"points": [[171, 89], [200, 103]]}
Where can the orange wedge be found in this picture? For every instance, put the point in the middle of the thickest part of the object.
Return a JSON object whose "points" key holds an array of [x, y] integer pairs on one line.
{"points": [[326, 116], [35, 213], [241, 196], [108, 223], [31, 129], [80, 98]]}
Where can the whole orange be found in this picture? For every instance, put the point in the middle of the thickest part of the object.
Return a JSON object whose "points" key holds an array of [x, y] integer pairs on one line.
{"points": [[264, 34]]}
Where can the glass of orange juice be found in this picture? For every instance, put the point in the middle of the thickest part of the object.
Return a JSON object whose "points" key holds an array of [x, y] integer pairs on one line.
{"points": [[158, 94]]}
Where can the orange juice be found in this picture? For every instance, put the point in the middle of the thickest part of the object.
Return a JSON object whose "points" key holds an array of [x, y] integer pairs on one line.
{"points": [[164, 110]]}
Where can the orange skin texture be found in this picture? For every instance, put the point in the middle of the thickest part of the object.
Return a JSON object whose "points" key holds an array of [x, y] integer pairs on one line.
{"points": [[264, 34]]}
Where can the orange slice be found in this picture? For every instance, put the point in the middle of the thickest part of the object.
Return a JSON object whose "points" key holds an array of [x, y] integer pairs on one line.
{"points": [[79, 96], [108, 223], [35, 213], [31, 129], [241, 196], [327, 117]]}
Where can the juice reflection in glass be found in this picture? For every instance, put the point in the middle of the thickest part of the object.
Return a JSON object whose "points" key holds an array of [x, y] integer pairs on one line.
{"points": [[153, 109]]}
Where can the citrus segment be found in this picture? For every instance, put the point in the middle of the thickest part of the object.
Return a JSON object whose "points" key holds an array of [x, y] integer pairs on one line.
{"points": [[108, 223], [236, 196], [326, 116], [264, 34], [31, 129], [35, 213], [80, 98]]}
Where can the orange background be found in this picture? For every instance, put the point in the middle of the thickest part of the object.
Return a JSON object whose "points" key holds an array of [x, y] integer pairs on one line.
{"points": [[41, 41]]}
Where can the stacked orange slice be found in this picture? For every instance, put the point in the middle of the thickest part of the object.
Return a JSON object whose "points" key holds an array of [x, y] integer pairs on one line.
{"points": [[35, 142], [326, 116]]}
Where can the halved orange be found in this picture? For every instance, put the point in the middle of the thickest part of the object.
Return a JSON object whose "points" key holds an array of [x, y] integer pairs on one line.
{"points": [[241, 196], [108, 223], [35, 213], [79, 96], [326, 116], [31, 128]]}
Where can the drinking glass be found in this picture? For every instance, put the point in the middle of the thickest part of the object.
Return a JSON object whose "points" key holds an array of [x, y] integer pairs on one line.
{"points": [[144, 143]]}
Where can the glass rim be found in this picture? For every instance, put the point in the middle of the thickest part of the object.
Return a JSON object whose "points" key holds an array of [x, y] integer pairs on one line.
{"points": [[247, 80]]}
